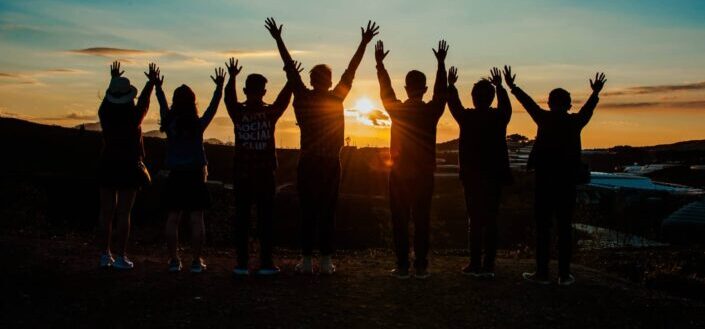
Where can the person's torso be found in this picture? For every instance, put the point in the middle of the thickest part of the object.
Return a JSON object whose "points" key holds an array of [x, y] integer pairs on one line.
{"points": [[558, 144], [483, 145], [254, 135], [321, 121], [413, 136], [122, 134], [184, 149]]}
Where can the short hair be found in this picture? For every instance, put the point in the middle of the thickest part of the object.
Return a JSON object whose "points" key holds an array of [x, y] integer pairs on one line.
{"points": [[321, 69], [255, 81], [483, 91], [415, 79], [559, 97]]}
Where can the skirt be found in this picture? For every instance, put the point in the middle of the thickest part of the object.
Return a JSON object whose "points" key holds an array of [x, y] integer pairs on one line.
{"points": [[114, 175], [186, 190]]}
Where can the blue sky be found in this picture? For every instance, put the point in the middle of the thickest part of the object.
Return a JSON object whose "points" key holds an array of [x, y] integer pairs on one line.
{"points": [[48, 75]]}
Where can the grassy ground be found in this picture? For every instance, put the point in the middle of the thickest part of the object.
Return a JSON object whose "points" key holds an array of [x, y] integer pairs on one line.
{"points": [[55, 283]]}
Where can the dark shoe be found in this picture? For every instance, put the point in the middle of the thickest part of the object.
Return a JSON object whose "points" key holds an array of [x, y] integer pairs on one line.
{"points": [[422, 273], [241, 271], [536, 278], [268, 270], [471, 271], [198, 265], [566, 280], [399, 273]]}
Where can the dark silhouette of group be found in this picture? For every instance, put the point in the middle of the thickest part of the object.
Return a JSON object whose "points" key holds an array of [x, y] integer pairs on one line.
{"points": [[483, 160]]}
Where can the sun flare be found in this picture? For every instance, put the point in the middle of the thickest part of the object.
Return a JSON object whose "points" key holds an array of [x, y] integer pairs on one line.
{"points": [[364, 105]]}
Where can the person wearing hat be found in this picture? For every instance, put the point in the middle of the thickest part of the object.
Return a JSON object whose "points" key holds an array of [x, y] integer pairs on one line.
{"points": [[121, 168]]}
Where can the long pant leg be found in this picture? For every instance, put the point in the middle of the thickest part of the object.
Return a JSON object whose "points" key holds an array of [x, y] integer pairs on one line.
{"points": [[329, 199], [494, 192], [265, 215], [475, 227], [243, 201], [564, 217], [306, 183], [543, 211], [399, 208], [421, 212]]}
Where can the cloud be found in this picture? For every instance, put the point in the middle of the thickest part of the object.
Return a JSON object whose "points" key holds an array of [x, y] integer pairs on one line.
{"points": [[641, 90], [694, 105], [258, 53], [10, 75], [373, 117], [113, 52]]}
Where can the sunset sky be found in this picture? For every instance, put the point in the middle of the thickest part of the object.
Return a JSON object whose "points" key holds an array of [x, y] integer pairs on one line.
{"points": [[55, 56]]}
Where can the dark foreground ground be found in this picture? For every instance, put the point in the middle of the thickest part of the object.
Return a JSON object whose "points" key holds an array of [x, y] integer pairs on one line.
{"points": [[54, 283]]}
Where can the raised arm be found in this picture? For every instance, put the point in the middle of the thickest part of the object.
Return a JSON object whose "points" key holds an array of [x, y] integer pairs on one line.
{"points": [[146, 94], [389, 98], [345, 84], [504, 106], [440, 88], [292, 74], [158, 80], [230, 98], [588, 108], [454, 104], [526, 101], [219, 79]]}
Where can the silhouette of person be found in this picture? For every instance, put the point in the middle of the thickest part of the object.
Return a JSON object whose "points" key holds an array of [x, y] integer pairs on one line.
{"points": [[413, 155], [255, 163], [185, 191], [319, 114], [558, 169], [484, 164], [122, 171]]}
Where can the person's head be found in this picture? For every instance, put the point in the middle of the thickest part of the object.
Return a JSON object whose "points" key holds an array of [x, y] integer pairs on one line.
{"points": [[415, 84], [120, 91], [321, 77], [184, 112], [559, 100], [483, 94], [255, 87]]}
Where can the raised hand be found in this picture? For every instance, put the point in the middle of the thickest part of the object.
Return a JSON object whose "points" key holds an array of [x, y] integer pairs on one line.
{"points": [[154, 75], [115, 70], [509, 77], [271, 25], [452, 75], [297, 66], [380, 54], [442, 51], [370, 32], [598, 83], [219, 77], [232, 66], [495, 77]]}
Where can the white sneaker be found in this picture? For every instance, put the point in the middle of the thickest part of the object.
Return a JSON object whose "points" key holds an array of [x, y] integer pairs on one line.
{"points": [[106, 260], [326, 265], [305, 266], [566, 281], [123, 263]]}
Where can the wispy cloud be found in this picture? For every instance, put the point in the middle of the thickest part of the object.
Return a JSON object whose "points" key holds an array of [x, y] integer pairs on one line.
{"points": [[640, 90], [113, 52], [694, 104], [258, 53]]}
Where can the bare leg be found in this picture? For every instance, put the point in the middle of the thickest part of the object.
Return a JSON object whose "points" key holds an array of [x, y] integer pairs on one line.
{"points": [[172, 233], [126, 199], [198, 233], [105, 221]]}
